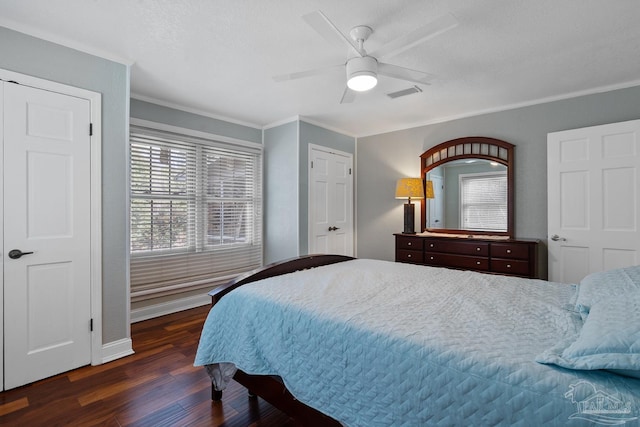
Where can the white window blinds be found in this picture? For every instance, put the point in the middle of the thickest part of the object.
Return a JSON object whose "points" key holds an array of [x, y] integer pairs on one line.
{"points": [[483, 199], [196, 212]]}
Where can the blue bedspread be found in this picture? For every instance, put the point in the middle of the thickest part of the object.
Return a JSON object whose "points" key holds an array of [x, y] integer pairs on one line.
{"points": [[375, 343]]}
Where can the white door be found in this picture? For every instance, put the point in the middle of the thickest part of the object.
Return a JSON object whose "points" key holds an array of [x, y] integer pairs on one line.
{"points": [[47, 211], [2, 236], [593, 184], [330, 202], [435, 206]]}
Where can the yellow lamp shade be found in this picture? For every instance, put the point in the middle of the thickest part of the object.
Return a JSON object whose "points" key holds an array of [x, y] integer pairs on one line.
{"points": [[429, 190], [409, 188]]}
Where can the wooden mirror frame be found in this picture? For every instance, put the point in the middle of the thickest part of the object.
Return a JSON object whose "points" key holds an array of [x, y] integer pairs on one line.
{"points": [[475, 147]]}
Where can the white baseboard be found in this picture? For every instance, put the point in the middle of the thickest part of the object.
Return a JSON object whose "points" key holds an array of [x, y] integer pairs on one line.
{"points": [[157, 310], [117, 349], [124, 347]]}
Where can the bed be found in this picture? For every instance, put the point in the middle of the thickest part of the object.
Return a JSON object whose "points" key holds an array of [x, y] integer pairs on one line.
{"points": [[361, 342]]}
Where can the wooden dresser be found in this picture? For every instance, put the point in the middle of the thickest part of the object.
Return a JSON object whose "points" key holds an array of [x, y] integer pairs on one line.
{"points": [[511, 257]]}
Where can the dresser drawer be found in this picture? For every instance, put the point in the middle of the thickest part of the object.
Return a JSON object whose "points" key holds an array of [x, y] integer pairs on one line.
{"points": [[457, 247], [509, 250], [513, 267], [410, 243], [456, 261], [414, 257], [508, 257]]}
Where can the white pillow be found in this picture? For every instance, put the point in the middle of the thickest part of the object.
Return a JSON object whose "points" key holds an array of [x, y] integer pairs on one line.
{"points": [[609, 339]]}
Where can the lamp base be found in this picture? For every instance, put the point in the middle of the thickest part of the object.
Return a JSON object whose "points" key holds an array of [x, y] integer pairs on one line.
{"points": [[409, 218]]}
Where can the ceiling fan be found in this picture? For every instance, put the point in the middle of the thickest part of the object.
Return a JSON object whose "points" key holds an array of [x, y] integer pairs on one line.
{"points": [[363, 69]]}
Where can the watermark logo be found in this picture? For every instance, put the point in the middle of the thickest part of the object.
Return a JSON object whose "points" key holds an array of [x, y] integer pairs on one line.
{"points": [[598, 406]]}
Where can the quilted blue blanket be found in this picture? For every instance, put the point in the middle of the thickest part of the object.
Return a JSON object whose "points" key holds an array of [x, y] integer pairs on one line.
{"points": [[375, 343]]}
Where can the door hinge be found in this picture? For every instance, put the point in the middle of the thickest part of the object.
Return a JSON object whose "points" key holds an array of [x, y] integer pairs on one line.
{"points": [[90, 129], [311, 164], [91, 325], [349, 171]]}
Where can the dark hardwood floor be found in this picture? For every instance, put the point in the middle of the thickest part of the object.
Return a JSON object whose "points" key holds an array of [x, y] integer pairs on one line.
{"points": [[157, 386]]}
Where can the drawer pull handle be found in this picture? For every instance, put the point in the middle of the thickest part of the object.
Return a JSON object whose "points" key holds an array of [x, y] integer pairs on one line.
{"points": [[478, 249], [409, 256], [508, 251], [431, 258], [431, 245], [408, 243], [477, 262], [508, 265]]}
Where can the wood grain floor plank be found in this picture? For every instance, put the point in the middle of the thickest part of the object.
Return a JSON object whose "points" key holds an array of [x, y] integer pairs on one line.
{"points": [[15, 405], [122, 387], [156, 386], [89, 371]]}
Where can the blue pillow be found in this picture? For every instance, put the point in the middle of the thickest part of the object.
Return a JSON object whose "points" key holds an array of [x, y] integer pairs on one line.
{"points": [[597, 286], [609, 339]]}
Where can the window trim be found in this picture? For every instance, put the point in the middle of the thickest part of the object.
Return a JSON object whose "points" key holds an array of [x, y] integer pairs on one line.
{"points": [[164, 131], [201, 137]]}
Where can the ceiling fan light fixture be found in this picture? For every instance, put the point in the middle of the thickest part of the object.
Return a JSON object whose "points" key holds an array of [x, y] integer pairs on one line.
{"points": [[362, 73], [362, 82]]}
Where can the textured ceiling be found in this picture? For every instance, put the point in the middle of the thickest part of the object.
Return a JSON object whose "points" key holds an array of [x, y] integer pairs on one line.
{"points": [[218, 57]]}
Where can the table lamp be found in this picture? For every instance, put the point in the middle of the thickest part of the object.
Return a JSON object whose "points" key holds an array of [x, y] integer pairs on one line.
{"points": [[409, 188]]}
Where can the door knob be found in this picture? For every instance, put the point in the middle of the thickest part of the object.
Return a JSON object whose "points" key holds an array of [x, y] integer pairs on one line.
{"points": [[17, 253], [334, 228], [555, 238]]}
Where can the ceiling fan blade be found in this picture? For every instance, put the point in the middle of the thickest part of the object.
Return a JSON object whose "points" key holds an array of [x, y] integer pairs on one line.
{"points": [[422, 34], [348, 96], [323, 26], [402, 73], [308, 73]]}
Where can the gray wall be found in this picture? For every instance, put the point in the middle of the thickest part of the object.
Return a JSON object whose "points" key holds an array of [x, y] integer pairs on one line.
{"points": [[384, 158], [28, 55], [287, 184], [281, 203], [170, 116]]}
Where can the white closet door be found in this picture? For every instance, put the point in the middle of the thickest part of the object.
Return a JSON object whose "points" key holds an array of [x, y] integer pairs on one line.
{"points": [[47, 211], [330, 202], [435, 206], [2, 236], [593, 181]]}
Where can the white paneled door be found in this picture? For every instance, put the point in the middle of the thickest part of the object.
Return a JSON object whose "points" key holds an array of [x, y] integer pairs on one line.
{"points": [[435, 206], [593, 180], [47, 234], [330, 202]]}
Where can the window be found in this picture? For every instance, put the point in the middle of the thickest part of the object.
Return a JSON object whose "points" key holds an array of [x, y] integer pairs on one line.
{"points": [[483, 198], [196, 211]]}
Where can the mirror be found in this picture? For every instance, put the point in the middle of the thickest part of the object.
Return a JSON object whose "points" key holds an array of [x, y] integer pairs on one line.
{"points": [[469, 186]]}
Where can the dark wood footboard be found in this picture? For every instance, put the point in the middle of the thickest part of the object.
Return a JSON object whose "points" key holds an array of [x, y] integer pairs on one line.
{"points": [[270, 388], [276, 269]]}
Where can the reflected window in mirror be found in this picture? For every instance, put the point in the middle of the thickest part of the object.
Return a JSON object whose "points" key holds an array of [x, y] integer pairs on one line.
{"points": [[472, 180], [483, 201]]}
